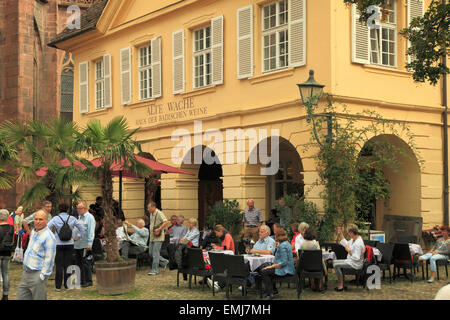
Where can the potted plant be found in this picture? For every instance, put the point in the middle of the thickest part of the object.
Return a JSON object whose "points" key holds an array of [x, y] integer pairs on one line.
{"points": [[113, 146], [226, 213]]}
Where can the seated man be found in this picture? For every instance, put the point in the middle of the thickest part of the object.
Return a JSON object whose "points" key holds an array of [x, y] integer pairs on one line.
{"points": [[355, 258], [440, 251], [138, 240], [179, 230], [265, 244]]}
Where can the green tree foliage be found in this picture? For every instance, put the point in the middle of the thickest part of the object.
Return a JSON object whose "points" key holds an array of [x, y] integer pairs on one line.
{"points": [[362, 6], [44, 145], [353, 179], [226, 213], [8, 154], [429, 37]]}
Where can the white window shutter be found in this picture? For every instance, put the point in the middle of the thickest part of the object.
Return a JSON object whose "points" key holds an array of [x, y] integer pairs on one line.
{"points": [[156, 68], [125, 75], [297, 33], [107, 77], [245, 42], [178, 75], [360, 39], [416, 8], [84, 86], [217, 50]]}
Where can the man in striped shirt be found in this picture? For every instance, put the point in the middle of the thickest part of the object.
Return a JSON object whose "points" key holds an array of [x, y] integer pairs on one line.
{"points": [[38, 260]]}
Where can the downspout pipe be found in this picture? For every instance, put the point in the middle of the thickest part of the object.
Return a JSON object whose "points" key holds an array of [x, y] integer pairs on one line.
{"points": [[445, 149]]}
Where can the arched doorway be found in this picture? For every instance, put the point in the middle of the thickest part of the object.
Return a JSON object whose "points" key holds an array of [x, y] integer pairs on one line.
{"points": [[404, 183], [210, 186], [289, 177]]}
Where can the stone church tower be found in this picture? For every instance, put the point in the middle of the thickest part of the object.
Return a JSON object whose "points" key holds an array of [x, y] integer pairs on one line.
{"points": [[36, 81]]}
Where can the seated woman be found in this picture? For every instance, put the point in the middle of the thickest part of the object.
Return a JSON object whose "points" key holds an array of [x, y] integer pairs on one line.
{"points": [[299, 239], [284, 264], [311, 243], [227, 242], [355, 257], [192, 235], [440, 251]]}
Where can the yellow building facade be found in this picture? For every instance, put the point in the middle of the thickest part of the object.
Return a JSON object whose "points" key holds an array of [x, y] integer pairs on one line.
{"points": [[189, 72]]}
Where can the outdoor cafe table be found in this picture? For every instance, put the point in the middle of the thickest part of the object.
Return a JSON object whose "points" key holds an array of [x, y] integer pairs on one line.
{"points": [[331, 255], [255, 261], [206, 255]]}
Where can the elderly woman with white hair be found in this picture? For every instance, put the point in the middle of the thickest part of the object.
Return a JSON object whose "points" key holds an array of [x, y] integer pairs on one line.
{"points": [[299, 239], [6, 247], [192, 234], [138, 240]]}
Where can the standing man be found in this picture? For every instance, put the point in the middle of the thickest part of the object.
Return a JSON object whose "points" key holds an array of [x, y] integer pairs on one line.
{"points": [[64, 243], [83, 243], [158, 222], [38, 260], [46, 206], [252, 221]]}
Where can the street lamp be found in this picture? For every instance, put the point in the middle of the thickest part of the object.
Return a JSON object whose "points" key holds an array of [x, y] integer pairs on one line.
{"points": [[310, 92]]}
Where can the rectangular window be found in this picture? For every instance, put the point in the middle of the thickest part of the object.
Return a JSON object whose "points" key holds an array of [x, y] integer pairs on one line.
{"points": [[145, 73], [202, 57], [383, 41], [99, 85], [275, 35]]}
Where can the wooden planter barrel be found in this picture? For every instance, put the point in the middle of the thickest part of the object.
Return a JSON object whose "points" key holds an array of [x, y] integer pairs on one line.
{"points": [[115, 277]]}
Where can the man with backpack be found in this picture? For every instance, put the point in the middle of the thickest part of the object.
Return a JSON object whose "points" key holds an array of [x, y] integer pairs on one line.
{"points": [[63, 224]]}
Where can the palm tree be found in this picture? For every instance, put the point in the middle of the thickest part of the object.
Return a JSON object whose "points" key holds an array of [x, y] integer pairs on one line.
{"points": [[7, 154], [45, 144], [111, 144]]}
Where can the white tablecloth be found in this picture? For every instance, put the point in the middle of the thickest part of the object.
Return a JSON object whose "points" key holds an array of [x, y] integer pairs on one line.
{"points": [[415, 248], [222, 251], [328, 255], [255, 262]]}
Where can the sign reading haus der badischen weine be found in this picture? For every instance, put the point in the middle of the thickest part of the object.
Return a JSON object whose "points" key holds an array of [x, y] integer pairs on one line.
{"points": [[171, 111]]}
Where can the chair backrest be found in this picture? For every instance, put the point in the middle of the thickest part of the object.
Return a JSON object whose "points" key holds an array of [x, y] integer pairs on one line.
{"points": [[340, 251], [310, 260], [217, 262], [235, 266], [407, 239], [401, 252], [386, 250], [195, 258], [371, 243]]}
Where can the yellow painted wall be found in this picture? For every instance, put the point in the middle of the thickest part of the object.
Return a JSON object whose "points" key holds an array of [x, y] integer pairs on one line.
{"points": [[267, 100]]}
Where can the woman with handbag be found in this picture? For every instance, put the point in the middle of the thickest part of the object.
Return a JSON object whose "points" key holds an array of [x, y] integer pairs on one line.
{"points": [[6, 247]]}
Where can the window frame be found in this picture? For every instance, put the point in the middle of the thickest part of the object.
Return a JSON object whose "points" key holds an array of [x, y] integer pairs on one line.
{"points": [[277, 29], [204, 52], [388, 26], [99, 81], [145, 68]]}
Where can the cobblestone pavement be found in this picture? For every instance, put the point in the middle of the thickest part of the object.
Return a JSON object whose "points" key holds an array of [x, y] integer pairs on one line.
{"points": [[164, 287]]}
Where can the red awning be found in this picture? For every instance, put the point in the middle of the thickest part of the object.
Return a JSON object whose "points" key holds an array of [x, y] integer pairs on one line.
{"points": [[157, 167]]}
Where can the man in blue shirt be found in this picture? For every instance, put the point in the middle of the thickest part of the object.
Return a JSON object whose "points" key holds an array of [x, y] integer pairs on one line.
{"points": [[265, 244], [64, 249], [138, 240], [38, 260], [83, 243]]}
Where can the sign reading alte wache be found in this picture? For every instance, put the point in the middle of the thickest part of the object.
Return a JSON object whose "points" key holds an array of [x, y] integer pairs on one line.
{"points": [[172, 111]]}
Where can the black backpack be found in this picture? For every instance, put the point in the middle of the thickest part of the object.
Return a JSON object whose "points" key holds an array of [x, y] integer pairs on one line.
{"points": [[65, 233]]}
